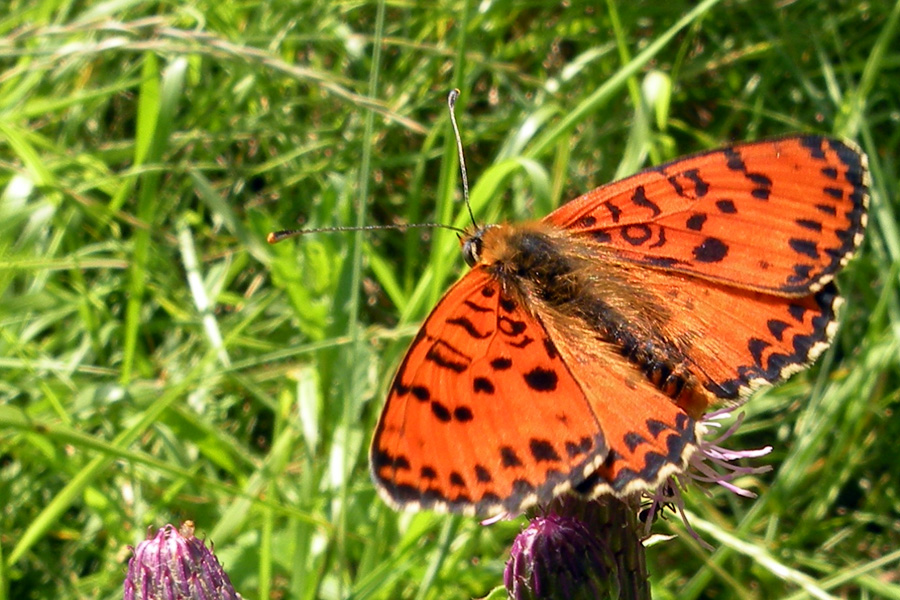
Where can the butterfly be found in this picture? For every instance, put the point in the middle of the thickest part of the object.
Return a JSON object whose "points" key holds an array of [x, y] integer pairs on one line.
{"points": [[579, 352]]}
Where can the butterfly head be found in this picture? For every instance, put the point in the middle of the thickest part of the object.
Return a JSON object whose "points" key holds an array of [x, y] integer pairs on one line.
{"points": [[473, 245]]}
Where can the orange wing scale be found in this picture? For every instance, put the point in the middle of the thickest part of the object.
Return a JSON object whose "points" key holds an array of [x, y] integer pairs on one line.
{"points": [[778, 216]]}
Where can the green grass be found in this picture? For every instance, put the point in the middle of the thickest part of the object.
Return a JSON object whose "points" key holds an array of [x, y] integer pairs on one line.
{"points": [[160, 362]]}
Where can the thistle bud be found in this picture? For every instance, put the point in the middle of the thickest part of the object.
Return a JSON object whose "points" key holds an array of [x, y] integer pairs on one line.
{"points": [[174, 565], [558, 557]]}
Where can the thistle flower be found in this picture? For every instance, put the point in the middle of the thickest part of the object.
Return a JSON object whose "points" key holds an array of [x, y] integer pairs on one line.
{"points": [[174, 565], [558, 556]]}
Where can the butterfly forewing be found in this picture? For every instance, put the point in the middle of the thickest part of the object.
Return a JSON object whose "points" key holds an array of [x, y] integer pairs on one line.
{"points": [[780, 216], [483, 415]]}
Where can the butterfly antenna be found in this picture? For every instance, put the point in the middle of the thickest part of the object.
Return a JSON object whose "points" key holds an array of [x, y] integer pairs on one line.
{"points": [[277, 236], [451, 102]]}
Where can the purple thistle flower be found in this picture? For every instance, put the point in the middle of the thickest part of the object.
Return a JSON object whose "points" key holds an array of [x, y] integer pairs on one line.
{"points": [[174, 565], [557, 556]]}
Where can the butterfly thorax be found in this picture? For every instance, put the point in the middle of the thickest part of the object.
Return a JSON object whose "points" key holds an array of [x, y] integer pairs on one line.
{"points": [[575, 285]]}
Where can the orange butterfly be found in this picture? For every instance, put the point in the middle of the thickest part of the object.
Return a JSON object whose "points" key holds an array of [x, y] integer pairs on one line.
{"points": [[580, 351]]}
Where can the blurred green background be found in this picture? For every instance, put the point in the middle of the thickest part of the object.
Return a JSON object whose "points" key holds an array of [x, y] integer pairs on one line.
{"points": [[160, 362]]}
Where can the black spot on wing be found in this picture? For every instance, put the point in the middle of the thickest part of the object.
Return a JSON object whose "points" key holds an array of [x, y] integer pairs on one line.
{"points": [[552, 353], [726, 206], [639, 198], [761, 193], [763, 184], [441, 412], [733, 160], [801, 275], [695, 221], [664, 262], [525, 341], [673, 181], [397, 387], [848, 240], [827, 209], [637, 234], [655, 427], [483, 385], [797, 311], [661, 241], [615, 212], [777, 328], [756, 347], [688, 184], [701, 188], [601, 236], [382, 459], [582, 446], [711, 250], [501, 364], [814, 144], [611, 458], [633, 440], [509, 458], [474, 306], [446, 356], [511, 327], [809, 224], [834, 192], [760, 179], [400, 462], [541, 380], [543, 451], [804, 247], [463, 414], [728, 390], [521, 488]]}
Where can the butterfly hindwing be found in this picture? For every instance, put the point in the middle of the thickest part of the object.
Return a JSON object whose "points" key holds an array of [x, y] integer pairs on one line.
{"points": [[780, 216], [483, 415], [649, 436], [737, 340]]}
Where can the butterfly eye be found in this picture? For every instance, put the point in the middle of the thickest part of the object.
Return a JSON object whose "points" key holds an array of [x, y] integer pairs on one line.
{"points": [[472, 250]]}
